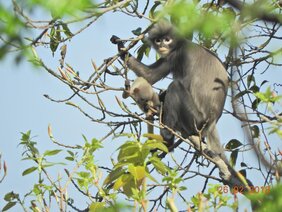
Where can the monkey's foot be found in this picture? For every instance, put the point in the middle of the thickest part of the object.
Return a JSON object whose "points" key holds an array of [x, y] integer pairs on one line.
{"points": [[125, 94]]}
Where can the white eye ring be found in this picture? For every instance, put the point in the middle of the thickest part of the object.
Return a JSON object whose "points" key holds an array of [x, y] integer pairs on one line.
{"points": [[167, 40], [158, 41]]}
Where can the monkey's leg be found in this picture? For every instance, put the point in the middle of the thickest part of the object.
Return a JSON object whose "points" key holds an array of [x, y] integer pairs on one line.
{"points": [[214, 144], [170, 112], [126, 92], [149, 116], [180, 113]]}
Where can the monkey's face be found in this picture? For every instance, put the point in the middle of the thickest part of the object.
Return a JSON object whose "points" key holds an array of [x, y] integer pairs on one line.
{"points": [[163, 45]]}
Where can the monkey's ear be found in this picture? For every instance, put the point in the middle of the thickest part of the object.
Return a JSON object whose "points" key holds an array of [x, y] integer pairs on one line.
{"points": [[136, 90]]}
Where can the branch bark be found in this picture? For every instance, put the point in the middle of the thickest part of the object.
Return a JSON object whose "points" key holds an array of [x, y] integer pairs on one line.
{"points": [[261, 14]]}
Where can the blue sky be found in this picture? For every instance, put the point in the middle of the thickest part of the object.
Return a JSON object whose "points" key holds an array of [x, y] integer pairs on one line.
{"points": [[24, 108]]}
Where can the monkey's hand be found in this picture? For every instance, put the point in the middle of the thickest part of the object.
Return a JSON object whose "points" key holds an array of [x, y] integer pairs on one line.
{"points": [[162, 95], [121, 49], [115, 39]]}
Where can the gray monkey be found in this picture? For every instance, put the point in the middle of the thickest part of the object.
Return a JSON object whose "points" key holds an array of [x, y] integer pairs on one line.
{"points": [[195, 98]]}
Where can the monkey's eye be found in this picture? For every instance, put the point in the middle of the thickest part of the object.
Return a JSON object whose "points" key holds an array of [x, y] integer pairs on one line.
{"points": [[167, 40], [158, 41]]}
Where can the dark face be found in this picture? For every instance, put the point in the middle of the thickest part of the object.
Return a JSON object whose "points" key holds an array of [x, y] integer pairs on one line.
{"points": [[163, 38], [164, 45]]}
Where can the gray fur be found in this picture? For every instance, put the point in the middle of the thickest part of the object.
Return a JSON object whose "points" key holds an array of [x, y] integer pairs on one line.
{"points": [[197, 94]]}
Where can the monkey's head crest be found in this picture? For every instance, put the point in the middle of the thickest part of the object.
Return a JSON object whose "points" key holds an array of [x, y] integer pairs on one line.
{"points": [[161, 29]]}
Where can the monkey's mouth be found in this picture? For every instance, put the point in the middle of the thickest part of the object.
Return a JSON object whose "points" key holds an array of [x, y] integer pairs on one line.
{"points": [[163, 51]]}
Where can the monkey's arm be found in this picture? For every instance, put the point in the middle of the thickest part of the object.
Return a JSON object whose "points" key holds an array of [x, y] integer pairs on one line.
{"points": [[152, 73]]}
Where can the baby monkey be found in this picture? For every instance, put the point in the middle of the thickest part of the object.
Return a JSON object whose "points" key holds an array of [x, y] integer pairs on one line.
{"points": [[146, 98]]}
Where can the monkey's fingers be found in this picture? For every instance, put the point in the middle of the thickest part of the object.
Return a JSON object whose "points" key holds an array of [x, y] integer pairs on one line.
{"points": [[153, 110], [115, 39], [127, 84], [122, 50]]}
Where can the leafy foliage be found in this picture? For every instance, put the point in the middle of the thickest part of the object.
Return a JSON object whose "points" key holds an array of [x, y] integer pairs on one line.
{"points": [[131, 170]]}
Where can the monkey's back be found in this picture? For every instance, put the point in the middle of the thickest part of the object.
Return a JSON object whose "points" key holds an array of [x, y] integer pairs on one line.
{"points": [[206, 79]]}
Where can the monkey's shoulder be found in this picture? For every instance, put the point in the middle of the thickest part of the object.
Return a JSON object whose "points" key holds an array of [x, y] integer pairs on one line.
{"points": [[199, 50]]}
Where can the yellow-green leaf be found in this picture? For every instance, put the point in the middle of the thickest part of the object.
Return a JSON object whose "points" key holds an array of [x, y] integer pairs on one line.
{"points": [[138, 172], [97, 206], [29, 170]]}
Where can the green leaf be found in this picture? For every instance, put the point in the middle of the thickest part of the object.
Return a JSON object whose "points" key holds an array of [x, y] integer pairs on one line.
{"points": [[152, 136], [243, 164], [10, 196], [255, 104], [129, 150], [54, 42], [255, 131], [270, 198], [97, 206], [263, 82], [129, 157], [254, 89], [37, 189], [229, 11], [121, 181], [51, 152], [29, 170], [195, 200], [66, 29], [83, 136], [69, 158], [144, 49], [72, 104], [137, 31], [243, 172], [58, 34], [26, 136], [115, 174], [138, 172], [129, 185], [159, 165], [238, 95], [9, 205], [182, 188], [279, 133], [210, 5], [250, 79], [118, 184], [233, 144], [46, 165], [151, 177], [154, 144], [268, 96], [95, 144], [71, 153], [233, 158], [152, 11], [83, 174]]}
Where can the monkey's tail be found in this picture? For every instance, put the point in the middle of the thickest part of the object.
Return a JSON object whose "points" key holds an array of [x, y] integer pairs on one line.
{"points": [[214, 142], [150, 127]]}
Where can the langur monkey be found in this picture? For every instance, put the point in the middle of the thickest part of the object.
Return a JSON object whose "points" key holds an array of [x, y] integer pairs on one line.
{"points": [[195, 98], [146, 98]]}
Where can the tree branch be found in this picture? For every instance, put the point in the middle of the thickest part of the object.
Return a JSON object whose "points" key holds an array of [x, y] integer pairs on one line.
{"points": [[261, 14]]}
